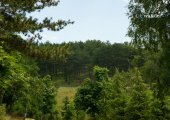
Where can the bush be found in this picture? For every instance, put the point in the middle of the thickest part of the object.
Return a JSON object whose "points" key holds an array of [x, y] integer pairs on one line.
{"points": [[68, 111]]}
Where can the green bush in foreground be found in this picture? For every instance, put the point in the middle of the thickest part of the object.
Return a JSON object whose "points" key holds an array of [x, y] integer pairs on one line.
{"points": [[125, 96]]}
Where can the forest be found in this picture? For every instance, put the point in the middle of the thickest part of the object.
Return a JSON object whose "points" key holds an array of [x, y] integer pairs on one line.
{"points": [[108, 81]]}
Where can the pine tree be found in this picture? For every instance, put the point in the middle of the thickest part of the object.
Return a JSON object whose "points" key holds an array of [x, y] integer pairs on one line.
{"points": [[14, 21], [138, 105]]}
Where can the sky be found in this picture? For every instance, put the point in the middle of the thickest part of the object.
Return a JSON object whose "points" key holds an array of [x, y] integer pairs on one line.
{"points": [[104, 20]]}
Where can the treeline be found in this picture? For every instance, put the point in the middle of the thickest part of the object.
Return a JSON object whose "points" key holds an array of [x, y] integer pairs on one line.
{"points": [[83, 56]]}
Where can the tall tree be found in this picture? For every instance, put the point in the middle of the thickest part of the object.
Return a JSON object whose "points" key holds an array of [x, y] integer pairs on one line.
{"points": [[13, 17], [14, 20], [150, 28], [20, 90]]}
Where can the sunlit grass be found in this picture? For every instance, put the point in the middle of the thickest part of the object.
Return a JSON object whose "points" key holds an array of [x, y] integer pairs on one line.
{"points": [[61, 94], [65, 92], [16, 118]]}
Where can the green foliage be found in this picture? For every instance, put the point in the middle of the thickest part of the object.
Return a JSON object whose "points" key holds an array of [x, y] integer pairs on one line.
{"points": [[87, 97], [83, 56], [21, 91], [124, 96], [10, 70], [138, 105], [14, 18], [68, 111], [37, 99], [148, 25], [100, 73], [113, 101], [16, 21], [89, 94], [149, 28], [48, 51], [151, 70], [102, 98]]}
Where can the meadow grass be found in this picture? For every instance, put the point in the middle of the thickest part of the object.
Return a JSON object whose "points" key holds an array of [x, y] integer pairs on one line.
{"points": [[62, 93], [16, 118], [65, 92]]}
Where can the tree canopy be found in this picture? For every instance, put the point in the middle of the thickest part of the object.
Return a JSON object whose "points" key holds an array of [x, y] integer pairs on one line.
{"points": [[21, 89], [14, 19], [149, 22], [150, 29]]}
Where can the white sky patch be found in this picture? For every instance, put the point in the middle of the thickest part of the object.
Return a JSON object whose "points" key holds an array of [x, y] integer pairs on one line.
{"points": [[49, 37]]}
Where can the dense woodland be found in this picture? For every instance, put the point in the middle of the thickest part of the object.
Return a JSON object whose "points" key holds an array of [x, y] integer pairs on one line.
{"points": [[120, 81], [83, 56]]}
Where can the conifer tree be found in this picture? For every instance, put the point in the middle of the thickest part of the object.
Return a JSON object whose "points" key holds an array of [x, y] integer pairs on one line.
{"points": [[15, 20]]}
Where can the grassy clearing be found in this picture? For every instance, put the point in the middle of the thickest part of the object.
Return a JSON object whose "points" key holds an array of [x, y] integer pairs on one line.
{"points": [[65, 92], [62, 93], [16, 118]]}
